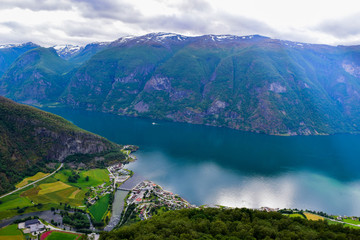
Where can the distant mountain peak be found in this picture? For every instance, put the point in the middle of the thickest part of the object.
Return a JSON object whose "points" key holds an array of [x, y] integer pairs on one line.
{"points": [[163, 37], [12, 45], [150, 37], [67, 50]]}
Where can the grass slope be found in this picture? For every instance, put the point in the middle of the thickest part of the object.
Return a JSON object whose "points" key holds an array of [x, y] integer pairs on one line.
{"points": [[99, 209], [11, 230], [96, 177]]}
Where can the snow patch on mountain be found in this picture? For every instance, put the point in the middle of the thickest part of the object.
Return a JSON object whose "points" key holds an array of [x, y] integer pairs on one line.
{"points": [[67, 50], [12, 45]]}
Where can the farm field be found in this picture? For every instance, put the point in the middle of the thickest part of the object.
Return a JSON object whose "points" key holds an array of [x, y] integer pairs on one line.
{"points": [[296, 215], [99, 209], [312, 216], [56, 235], [27, 180], [55, 192], [12, 203], [349, 220], [11, 233], [96, 177]]}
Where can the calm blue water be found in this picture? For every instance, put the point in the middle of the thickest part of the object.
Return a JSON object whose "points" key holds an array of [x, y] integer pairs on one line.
{"points": [[208, 165]]}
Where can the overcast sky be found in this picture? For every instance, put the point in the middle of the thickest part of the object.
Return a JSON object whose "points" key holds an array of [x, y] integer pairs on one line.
{"points": [[50, 22]]}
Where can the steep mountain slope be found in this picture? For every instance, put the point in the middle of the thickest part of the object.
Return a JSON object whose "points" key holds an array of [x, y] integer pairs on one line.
{"points": [[251, 83], [30, 138], [9, 53], [38, 75]]}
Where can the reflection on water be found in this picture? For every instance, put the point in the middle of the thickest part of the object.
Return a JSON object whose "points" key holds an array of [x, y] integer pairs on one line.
{"points": [[211, 183], [223, 166]]}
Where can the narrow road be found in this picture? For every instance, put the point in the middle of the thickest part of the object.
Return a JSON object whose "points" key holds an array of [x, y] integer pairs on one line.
{"points": [[330, 219], [61, 165]]}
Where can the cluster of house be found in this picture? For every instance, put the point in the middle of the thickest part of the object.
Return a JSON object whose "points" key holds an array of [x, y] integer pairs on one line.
{"points": [[118, 174], [147, 195], [33, 226], [100, 190], [345, 217]]}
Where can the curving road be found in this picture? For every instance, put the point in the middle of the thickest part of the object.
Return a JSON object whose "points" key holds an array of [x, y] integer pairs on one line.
{"points": [[27, 185]]}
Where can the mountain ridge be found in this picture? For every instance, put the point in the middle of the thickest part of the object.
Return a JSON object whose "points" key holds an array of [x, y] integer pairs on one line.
{"points": [[251, 83]]}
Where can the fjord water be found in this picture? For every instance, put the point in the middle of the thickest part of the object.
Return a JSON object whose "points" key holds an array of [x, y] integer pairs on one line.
{"points": [[209, 165]]}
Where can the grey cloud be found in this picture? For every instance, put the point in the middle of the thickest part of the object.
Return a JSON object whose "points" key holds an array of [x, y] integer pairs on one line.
{"points": [[243, 25], [116, 10], [201, 23], [194, 6], [346, 27], [93, 28], [48, 5], [174, 23]]}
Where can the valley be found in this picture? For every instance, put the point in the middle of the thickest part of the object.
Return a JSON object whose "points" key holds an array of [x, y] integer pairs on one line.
{"points": [[145, 91]]}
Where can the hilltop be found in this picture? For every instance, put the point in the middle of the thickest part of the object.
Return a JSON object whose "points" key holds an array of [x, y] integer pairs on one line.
{"points": [[31, 138]]}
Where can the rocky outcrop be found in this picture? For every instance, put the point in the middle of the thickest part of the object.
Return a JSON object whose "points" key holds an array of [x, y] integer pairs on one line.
{"points": [[66, 144]]}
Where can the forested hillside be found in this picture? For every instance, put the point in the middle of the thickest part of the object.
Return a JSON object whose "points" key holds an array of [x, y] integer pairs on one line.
{"points": [[31, 138], [244, 223]]}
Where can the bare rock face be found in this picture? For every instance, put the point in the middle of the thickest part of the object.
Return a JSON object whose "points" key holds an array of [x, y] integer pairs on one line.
{"points": [[158, 83], [351, 68], [141, 107], [69, 144], [216, 106], [277, 87]]}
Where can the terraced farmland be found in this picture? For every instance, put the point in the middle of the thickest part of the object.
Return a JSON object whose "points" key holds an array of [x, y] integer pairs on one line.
{"points": [[55, 192]]}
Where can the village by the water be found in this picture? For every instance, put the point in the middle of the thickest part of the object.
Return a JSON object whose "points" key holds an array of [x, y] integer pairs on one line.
{"points": [[133, 199]]}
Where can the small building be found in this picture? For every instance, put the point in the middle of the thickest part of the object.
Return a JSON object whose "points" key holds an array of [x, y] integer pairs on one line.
{"points": [[34, 225]]}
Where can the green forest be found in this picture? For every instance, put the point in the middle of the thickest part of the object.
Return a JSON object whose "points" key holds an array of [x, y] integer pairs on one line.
{"points": [[213, 223]]}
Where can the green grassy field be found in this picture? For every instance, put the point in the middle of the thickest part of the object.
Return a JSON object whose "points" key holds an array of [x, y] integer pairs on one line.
{"points": [[96, 177], [11, 232], [99, 209], [349, 220], [62, 236], [296, 215]]}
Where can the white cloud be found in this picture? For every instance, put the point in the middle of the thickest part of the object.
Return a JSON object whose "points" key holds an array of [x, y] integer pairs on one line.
{"points": [[49, 22]]}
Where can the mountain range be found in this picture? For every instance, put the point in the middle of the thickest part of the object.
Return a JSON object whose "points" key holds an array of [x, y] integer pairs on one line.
{"points": [[251, 83]]}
